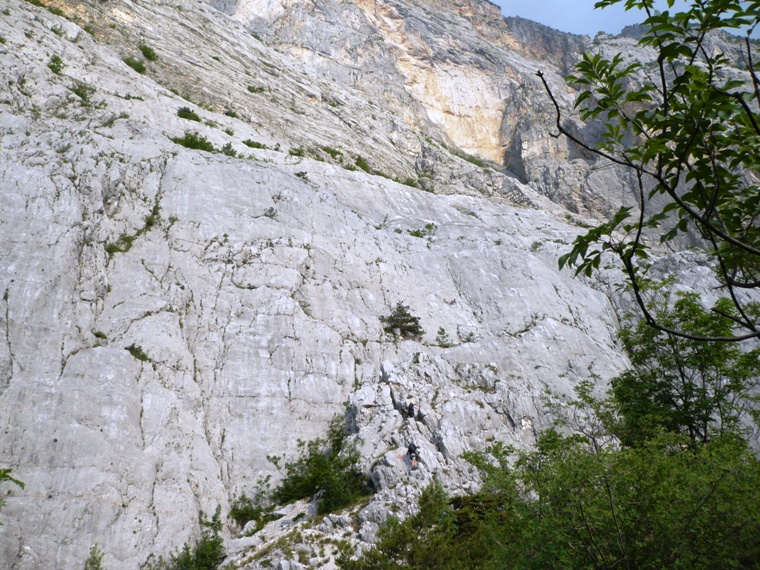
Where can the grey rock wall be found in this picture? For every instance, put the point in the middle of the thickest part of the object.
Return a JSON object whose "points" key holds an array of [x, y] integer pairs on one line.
{"points": [[170, 317], [461, 71]]}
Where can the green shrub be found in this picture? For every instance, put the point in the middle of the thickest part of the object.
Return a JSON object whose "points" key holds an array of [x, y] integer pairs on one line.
{"points": [[125, 241], [700, 390], [409, 182], [56, 64], [137, 352], [189, 114], [427, 231], [445, 534], [401, 320], [121, 245], [152, 218], [327, 469], [83, 91], [255, 89], [569, 504], [334, 153], [254, 144], [245, 509], [227, 150], [135, 64], [148, 52], [56, 11], [206, 554], [296, 151], [194, 141], [231, 113]]}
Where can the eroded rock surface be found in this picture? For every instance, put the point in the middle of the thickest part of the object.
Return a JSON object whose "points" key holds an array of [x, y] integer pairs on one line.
{"points": [[170, 317]]}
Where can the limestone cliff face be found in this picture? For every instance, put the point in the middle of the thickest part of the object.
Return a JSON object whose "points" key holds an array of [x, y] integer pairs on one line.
{"points": [[456, 70], [170, 317]]}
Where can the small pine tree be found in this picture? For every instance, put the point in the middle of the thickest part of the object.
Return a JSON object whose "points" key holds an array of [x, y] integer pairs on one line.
{"points": [[95, 560], [5, 475], [401, 320], [442, 338]]}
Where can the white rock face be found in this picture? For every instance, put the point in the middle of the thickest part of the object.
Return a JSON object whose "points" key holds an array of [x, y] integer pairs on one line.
{"points": [[460, 70], [170, 317]]}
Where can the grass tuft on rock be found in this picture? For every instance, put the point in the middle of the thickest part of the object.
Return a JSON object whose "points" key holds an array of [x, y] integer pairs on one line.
{"points": [[136, 64]]}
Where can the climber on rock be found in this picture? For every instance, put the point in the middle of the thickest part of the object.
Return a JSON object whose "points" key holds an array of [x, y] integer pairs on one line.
{"points": [[410, 411], [413, 453]]}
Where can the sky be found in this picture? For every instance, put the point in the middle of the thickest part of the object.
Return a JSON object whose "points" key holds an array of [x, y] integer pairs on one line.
{"points": [[576, 16]]}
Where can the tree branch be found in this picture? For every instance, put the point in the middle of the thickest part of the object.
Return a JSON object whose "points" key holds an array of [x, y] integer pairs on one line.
{"points": [[576, 140], [630, 270], [755, 79]]}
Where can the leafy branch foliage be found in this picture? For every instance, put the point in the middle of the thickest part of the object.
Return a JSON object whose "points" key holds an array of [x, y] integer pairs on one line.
{"points": [[691, 134], [654, 506], [695, 389]]}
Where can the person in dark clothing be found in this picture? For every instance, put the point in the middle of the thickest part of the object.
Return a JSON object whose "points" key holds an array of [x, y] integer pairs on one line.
{"points": [[413, 453], [410, 410]]}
